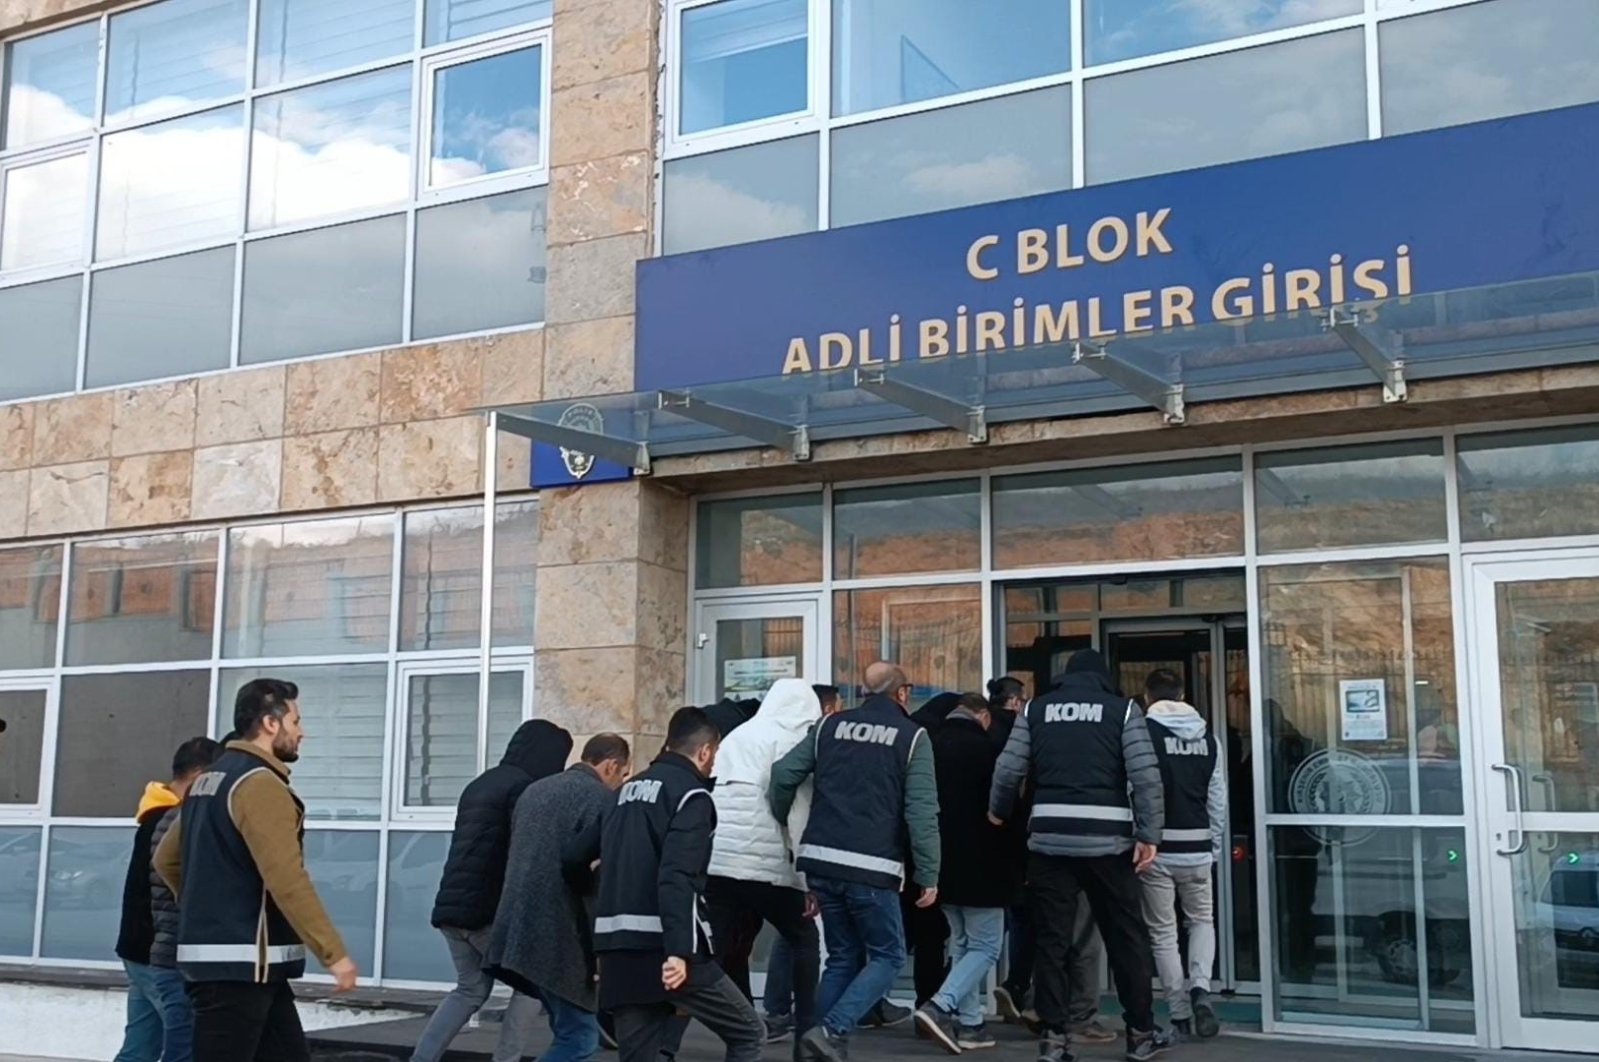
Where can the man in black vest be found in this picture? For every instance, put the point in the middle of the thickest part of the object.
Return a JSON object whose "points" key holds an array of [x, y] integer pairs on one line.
{"points": [[1097, 817], [1196, 822], [874, 784], [651, 930]]}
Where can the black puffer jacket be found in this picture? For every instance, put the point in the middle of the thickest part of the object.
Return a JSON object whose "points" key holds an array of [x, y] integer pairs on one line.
{"points": [[163, 905], [474, 872]]}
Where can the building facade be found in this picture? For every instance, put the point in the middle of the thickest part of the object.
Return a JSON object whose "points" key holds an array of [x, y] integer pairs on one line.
{"points": [[266, 264]]}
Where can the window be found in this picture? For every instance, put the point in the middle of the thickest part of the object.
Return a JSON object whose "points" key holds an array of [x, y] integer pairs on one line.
{"points": [[750, 193], [934, 632], [142, 600], [188, 331], [30, 600], [42, 321], [83, 891], [1367, 495], [1531, 484], [743, 61], [343, 866], [911, 527], [22, 750], [486, 117], [50, 86], [114, 728], [174, 56], [298, 39], [19, 888], [441, 587], [442, 734], [412, 948], [1124, 29], [42, 220], [480, 264], [147, 203], [760, 541], [454, 20]]}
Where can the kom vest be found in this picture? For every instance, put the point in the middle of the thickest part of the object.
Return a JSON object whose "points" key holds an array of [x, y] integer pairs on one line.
{"points": [[1079, 774], [229, 929], [1186, 765], [857, 826]]}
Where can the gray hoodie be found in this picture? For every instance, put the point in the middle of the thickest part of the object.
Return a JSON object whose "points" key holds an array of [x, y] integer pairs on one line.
{"points": [[1186, 723]]}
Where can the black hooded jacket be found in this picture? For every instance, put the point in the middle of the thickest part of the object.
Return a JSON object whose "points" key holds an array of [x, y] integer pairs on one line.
{"points": [[474, 873]]}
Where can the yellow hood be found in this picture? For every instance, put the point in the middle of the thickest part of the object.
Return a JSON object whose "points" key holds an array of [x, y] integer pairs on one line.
{"points": [[156, 796]]}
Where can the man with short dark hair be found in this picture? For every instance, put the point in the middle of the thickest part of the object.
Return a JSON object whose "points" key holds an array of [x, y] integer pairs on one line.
{"points": [[247, 910]]}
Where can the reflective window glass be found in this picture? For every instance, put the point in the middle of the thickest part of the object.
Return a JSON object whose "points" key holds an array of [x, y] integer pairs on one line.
{"points": [[412, 949], [1482, 61], [1367, 495], [441, 585], [171, 183], [309, 589], [1529, 484], [30, 600], [343, 865], [486, 117], [887, 52], [1124, 29], [83, 889], [934, 632], [49, 85], [1555, 886], [116, 730], [174, 56], [1013, 146], [338, 146], [742, 60], [759, 541], [1260, 101], [912, 527], [298, 39], [455, 20], [22, 749], [441, 738], [340, 288], [142, 600], [41, 219], [480, 264], [750, 193], [170, 317], [41, 321], [1159, 511], [19, 889]]}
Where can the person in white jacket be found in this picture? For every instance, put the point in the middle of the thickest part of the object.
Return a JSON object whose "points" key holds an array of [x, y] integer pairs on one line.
{"points": [[752, 875]]}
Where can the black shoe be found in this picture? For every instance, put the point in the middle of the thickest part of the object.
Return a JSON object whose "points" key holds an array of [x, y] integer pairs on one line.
{"points": [[938, 1025], [1205, 1023], [607, 1030], [819, 1045], [1183, 1027], [1055, 1047], [885, 1013], [1009, 1004], [975, 1037], [1144, 1046], [779, 1027]]}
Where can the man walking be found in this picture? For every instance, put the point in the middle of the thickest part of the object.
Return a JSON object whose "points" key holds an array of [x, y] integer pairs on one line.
{"points": [[1195, 785], [1082, 747], [160, 1020], [874, 784], [247, 910], [469, 888]]}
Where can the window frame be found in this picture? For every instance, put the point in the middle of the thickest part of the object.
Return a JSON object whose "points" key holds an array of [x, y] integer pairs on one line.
{"points": [[39, 157], [50, 685], [431, 67]]}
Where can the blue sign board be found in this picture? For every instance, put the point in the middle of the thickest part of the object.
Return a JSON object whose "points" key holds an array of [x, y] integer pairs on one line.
{"points": [[1495, 202]]}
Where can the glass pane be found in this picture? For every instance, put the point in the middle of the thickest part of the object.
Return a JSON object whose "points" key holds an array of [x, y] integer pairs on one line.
{"points": [[30, 601], [917, 527], [309, 589], [454, 20], [1349, 941], [743, 60], [344, 867], [887, 52], [1139, 512], [441, 582], [174, 56], [42, 320], [1124, 29], [41, 222], [1241, 105], [343, 708], [21, 746], [1369, 495], [83, 890], [1037, 651], [412, 948], [480, 264], [442, 733], [170, 317], [148, 200], [1362, 715], [314, 292], [19, 889], [506, 714], [1451, 67], [142, 600], [1241, 804], [303, 38], [760, 541], [750, 193], [751, 654], [934, 632], [50, 85], [119, 731], [487, 117], [1557, 925], [343, 145], [1529, 484], [1014, 146]]}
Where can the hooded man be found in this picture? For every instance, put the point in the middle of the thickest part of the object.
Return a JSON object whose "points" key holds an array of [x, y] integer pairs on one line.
{"points": [[470, 887]]}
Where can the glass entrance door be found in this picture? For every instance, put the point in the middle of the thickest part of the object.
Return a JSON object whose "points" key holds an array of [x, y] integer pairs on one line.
{"points": [[741, 649]]}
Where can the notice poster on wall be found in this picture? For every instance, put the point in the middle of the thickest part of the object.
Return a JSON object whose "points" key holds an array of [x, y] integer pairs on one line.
{"points": [[1363, 704], [752, 677]]}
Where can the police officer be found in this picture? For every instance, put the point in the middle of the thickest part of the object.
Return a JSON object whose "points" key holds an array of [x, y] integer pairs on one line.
{"points": [[874, 785], [1082, 747], [651, 932]]}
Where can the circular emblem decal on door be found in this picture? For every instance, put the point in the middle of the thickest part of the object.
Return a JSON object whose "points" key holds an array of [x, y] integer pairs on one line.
{"points": [[1338, 782], [583, 417]]}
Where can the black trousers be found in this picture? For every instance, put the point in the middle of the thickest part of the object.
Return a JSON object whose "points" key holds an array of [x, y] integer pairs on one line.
{"points": [[1114, 895], [738, 909], [720, 1007], [238, 1021], [926, 933]]}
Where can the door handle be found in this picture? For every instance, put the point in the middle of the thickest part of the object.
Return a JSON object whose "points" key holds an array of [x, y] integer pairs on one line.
{"points": [[1518, 833]]}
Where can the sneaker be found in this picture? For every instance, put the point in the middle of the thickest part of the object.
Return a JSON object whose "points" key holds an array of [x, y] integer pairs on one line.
{"points": [[1205, 1023], [974, 1037], [779, 1027], [1183, 1028], [1032, 1022], [607, 1030], [1008, 1004], [1054, 1047], [1144, 1046], [938, 1025], [1093, 1031], [885, 1013], [819, 1045]]}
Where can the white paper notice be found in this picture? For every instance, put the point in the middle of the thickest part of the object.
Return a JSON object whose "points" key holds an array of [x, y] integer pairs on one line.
{"points": [[1364, 706], [754, 676]]}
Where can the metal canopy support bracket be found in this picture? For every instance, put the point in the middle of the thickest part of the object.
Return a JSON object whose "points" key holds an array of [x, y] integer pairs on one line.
{"points": [[947, 411], [1166, 397], [625, 452], [1381, 350], [796, 439]]}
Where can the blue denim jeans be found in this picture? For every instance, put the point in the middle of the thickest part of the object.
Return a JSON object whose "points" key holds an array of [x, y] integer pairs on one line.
{"points": [[865, 937], [576, 1031], [778, 996], [975, 936], [160, 1020]]}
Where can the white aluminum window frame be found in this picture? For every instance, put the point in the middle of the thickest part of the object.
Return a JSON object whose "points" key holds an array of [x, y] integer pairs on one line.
{"points": [[44, 156], [488, 183]]}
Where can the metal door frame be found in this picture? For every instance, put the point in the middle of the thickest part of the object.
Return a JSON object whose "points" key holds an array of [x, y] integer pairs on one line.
{"points": [[816, 667]]}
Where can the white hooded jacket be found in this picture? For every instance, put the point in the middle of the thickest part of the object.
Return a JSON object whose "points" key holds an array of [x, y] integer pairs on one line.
{"points": [[750, 845]]}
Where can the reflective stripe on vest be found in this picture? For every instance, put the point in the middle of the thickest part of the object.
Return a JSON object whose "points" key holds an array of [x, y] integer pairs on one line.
{"points": [[628, 923], [1186, 835], [1098, 812], [249, 953], [845, 858]]}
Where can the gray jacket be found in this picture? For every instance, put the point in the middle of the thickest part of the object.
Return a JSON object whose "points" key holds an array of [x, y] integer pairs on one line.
{"points": [[163, 905]]}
